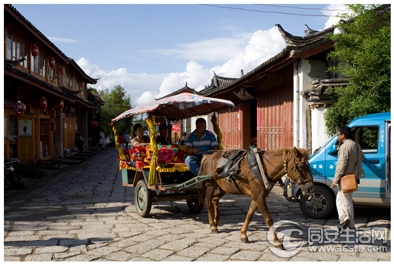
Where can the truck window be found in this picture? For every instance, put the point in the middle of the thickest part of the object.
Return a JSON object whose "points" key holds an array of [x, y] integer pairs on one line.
{"points": [[367, 138]]}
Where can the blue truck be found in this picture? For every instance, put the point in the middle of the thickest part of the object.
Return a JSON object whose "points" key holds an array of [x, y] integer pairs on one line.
{"points": [[373, 133]]}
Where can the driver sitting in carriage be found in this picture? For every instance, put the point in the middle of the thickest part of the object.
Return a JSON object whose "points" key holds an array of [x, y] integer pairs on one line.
{"points": [[199, 143]]}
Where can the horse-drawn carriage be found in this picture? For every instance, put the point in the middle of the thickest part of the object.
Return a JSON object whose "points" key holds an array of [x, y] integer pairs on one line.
{"points": [[158, 173]]}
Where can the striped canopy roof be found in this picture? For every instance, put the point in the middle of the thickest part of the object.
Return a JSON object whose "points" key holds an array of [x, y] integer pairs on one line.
{"points": [[177, 107]]}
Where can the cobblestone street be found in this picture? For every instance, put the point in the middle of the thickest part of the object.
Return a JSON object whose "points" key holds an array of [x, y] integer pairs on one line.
{"points": [[82, 213]]}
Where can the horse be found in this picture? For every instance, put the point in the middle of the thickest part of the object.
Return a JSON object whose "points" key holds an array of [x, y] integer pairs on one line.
{"points": [[290, 162]]}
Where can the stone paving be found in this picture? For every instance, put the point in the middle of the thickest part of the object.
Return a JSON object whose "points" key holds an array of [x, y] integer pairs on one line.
{"points": [[82, 213]]}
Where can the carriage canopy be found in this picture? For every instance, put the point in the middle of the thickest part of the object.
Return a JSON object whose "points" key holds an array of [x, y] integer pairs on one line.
{"points": [[180, 106]]}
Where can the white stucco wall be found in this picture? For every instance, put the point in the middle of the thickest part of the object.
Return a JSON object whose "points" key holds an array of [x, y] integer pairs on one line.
{"points": [[304, 73], [319, 135], [301, 81]]}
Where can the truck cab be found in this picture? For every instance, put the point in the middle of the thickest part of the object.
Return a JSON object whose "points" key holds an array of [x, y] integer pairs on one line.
{"points": [[373, 133]]}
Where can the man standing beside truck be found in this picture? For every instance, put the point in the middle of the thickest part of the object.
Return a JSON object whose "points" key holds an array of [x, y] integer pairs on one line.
{"points": [[350, 159]]}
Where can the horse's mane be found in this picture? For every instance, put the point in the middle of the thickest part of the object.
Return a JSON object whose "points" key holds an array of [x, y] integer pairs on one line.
{"points": [[303, 152]]}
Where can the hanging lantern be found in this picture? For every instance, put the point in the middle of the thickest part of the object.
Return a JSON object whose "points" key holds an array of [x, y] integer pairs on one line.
{"points": [[53, 125], [82, 84], [52, 62], [62, 70], [20, 107], [91, 123], [34, 51], [60, 104], [18, 114], [52, 113], [43, 103], [96, 123]]}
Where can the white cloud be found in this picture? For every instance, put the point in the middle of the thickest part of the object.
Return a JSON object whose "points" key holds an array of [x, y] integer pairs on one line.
{"points": [[142, 87], [332, 11], [238, 54], [212, 50], [64, 40]]}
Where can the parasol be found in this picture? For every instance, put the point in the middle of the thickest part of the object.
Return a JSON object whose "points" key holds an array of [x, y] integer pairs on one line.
{"points": [[177, 107]]}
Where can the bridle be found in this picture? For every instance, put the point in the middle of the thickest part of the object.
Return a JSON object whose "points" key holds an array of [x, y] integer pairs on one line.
{"points": [[296, 167]]}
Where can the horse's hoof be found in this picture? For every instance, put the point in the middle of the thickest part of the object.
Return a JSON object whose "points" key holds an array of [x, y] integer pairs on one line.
{"points": [[214, 231], [244, 240], [280, 246]]}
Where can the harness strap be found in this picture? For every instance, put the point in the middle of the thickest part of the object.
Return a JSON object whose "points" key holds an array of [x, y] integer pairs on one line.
{"points": [[259, 171]]}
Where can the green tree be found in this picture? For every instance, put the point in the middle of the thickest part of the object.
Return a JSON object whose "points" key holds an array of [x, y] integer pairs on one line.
{"points": [[362, 54], [116, 102]]}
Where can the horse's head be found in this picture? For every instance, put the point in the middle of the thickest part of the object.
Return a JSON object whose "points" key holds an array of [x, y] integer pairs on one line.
{"points": [[298, 169]]}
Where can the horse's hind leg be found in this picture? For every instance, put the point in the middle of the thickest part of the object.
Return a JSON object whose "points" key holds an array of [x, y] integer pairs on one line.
{"points": [[249, 216]]}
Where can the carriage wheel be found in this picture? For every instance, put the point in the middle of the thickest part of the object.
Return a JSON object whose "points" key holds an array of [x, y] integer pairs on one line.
{"points": [[142, 199], [194, 205]]}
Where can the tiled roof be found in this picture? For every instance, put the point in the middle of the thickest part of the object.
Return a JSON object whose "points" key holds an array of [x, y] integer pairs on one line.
{"points": [[216, 83], [298, 42], [319, 92], [185, 89]]}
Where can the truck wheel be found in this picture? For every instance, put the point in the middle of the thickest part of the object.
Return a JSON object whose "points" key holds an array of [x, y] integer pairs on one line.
{"points": [[319, 204], [194, 205], [142, 199]]}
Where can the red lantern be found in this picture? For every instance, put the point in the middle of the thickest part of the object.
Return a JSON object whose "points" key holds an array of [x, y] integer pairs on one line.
{"points": [[91, 123], [52, 113], [60, 104], [97, 123], [53, 125], [43, 103], [34, 51], [20, 107], [52, 62], [62, 70], [18, 114], [82, 84]]}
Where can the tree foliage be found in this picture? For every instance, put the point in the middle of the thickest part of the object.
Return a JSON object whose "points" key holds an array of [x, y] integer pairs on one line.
{"points": [[363, 54], [116, 102]]}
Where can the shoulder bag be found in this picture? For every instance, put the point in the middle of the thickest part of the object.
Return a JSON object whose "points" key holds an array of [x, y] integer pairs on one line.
{"points": [[349, 183]]}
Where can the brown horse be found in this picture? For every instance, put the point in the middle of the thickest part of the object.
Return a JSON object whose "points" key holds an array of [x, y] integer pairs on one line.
{"points": [[292, 162]]}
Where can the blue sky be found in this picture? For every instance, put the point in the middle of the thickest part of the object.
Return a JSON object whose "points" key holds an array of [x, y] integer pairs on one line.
{"points": [[154, 49]]}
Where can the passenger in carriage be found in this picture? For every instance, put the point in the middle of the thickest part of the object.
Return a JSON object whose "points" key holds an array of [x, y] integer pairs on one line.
{"points": [[199, 142], [140, 139], [163, 138]]}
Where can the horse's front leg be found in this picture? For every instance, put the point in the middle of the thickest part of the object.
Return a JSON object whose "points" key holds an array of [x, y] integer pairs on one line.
{"points": [[249, 216], [219, 193], [209, 193], [267, 217]]}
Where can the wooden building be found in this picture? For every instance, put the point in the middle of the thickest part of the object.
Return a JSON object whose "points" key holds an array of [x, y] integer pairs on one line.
{"points": [[46, 100]]}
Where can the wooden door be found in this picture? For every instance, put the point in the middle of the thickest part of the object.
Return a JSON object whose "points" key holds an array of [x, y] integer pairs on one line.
{"points": [[275, 118], [230, 126], [26, 142], [69, 130]]}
